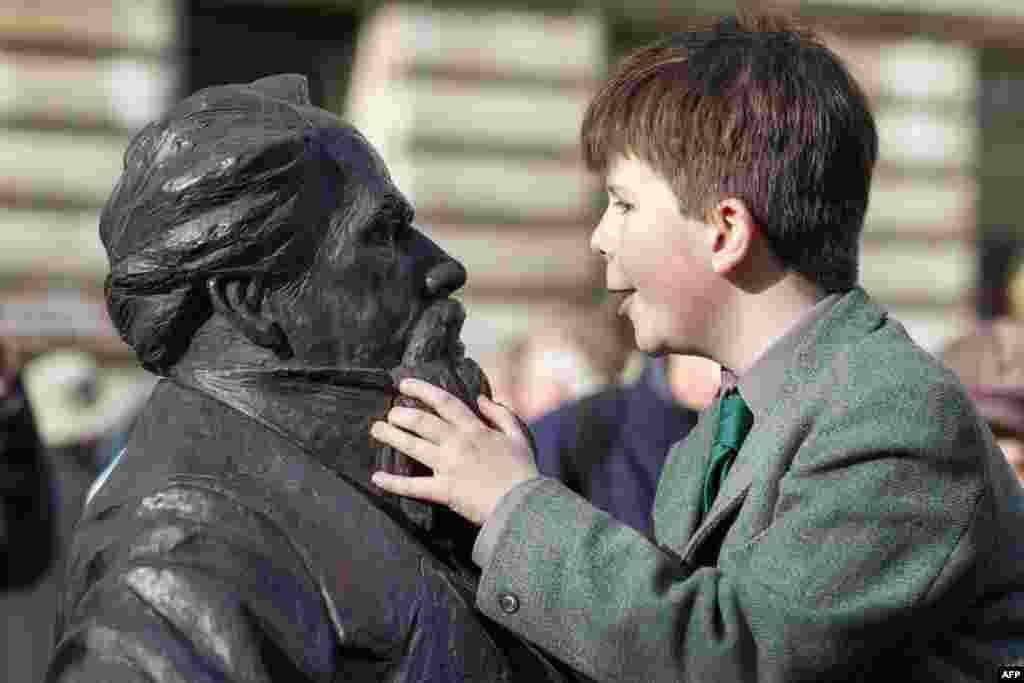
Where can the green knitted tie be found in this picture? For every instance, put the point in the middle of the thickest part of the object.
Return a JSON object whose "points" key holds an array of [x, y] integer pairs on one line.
{"points": [[734, 421]]}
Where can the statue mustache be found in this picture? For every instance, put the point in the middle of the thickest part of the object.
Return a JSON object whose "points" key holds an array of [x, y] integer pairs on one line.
{"points": [[436, 354]]}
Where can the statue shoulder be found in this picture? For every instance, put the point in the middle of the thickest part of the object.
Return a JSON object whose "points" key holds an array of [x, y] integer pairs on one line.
{"points": [[184, 577]]}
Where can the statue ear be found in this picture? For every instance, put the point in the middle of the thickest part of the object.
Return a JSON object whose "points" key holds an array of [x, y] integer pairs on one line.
{"points": [[246, 311]]}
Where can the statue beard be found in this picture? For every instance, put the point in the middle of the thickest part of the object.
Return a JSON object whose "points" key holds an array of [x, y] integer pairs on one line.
{"points": [[436, 355]]}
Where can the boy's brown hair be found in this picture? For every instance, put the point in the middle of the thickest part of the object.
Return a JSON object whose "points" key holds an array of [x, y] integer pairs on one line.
{"points": [[752, 108]]}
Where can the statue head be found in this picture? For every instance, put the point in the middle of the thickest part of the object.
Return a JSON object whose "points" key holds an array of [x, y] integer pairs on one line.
{"points": [[248, 205]]}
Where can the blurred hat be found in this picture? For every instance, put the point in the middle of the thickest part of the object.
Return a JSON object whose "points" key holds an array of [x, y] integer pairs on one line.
{"points": [[990, 363], [74, 400]]}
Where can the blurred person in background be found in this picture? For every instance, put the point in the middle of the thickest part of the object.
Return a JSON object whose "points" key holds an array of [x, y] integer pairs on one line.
{"points": [[29, 521], [610, 447], [502, 361], [1015, 293], [81, 414], [571, 353], [990, 363], [27, 518], [84, 412]]}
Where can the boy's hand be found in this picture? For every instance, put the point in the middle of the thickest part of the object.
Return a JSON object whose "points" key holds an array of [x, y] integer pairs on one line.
{"points": [[475, 464]]}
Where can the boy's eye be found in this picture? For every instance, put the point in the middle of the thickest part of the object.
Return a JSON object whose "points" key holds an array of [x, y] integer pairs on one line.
{"points": [[621, 206]]}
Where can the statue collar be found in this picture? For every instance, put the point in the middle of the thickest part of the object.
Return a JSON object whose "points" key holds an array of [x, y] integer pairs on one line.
{"points": [[327, 412]]}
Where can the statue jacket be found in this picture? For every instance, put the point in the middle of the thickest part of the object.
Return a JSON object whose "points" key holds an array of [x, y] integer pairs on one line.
{"points": [[238, 539]]}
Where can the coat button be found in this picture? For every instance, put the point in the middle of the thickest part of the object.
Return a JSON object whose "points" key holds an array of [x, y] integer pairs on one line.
{"points": [[509, 603]]}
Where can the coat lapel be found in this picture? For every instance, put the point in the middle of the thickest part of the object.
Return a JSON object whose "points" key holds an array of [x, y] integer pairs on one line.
{"points": [[677, 502], [756, 457], [733, 491], [775, 432]]}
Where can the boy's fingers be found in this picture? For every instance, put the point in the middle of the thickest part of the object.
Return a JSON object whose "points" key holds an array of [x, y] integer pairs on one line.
{"points": [[503, 418], [422, 488], [446, 405], [416, 448], [430, 427]]}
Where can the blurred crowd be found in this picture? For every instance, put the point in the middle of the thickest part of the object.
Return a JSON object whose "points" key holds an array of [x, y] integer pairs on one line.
{"points": [[64, 418]]}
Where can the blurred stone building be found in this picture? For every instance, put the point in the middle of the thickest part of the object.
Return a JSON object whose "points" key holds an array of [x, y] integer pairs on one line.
{"points": [[476, 107]]}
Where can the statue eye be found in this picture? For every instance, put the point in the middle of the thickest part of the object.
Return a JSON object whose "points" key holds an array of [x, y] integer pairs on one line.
{"points": [[383, 234], [400, 229]]}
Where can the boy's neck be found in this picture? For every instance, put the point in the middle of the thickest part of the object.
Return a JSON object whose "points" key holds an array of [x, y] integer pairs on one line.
{"points": [[757, 320]]}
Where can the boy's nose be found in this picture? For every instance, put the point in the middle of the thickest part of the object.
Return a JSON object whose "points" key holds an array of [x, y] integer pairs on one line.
{"points": [[597, 238]]}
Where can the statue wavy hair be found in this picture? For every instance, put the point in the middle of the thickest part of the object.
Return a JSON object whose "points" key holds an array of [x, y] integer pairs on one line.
{"points": [[222, 185]]}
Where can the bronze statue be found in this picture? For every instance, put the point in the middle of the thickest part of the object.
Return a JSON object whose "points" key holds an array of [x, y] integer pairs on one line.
{"points": [[263, 263]]}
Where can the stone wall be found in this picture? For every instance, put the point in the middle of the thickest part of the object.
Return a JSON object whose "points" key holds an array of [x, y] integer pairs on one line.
{"points": [[477, 113], [76, 78]]}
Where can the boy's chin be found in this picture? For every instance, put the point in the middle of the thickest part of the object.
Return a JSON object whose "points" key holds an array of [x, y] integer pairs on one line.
{"points": [[649, 341], [662, 345], [646, 333], [651, 348]]}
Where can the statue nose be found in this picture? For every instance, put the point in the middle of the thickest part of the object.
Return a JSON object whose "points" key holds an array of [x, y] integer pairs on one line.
{"points": [[445, 278]]}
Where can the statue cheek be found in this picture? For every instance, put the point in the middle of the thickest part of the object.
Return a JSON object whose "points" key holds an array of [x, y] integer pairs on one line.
{"points": [[394, 314], [406, 263]]}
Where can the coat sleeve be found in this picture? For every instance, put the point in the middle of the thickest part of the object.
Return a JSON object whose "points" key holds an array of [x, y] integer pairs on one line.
{"points": [[866, 540], [188, 586]]}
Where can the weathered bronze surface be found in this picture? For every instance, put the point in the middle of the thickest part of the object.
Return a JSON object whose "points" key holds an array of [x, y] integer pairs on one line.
{"points": [[263, 262]]}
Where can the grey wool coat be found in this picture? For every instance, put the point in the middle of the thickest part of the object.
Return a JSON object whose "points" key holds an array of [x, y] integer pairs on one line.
{"points": [[869, 527]]}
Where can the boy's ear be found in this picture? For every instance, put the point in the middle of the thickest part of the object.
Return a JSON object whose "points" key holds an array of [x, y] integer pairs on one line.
{"points": [[240, 301], [734, 229]]}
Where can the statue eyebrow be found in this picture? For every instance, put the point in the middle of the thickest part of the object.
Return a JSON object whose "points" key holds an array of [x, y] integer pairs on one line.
{"points": [[394, 208]]}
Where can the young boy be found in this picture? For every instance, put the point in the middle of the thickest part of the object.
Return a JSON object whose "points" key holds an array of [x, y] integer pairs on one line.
{"points": [[840, 512]]}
